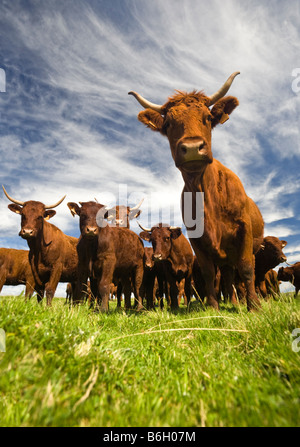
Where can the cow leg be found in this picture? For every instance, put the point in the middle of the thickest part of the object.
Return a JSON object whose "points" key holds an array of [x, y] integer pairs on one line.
{"points": [[137, 282], [246, 272], [2, 281], [40, 290], [209, 275], [149, 291], [228, 275], [188, 290], [119, 294], [127, 293], [51, 285], [104, 284], [296, 292], [80, 292], [29, 290]]}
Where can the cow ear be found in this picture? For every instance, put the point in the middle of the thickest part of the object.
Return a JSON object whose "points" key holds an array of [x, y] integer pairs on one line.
{"points": [[145, 235], [74, 208], [222, 109], [48, 214], [151, 119], [15, 208], [134, 214], [284, 243], [175, 232]]}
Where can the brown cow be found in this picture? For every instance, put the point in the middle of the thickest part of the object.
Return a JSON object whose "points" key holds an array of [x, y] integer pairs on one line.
{"points": [[120, 216], [15, 269], [233, 225], [269, 256], [52, 254], [171, 248], [291, 274], [114, 254], [154, 283]]}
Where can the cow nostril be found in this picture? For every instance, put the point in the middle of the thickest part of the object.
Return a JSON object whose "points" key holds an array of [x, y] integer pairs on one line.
{"points": [[201, 146], [184, 149]]}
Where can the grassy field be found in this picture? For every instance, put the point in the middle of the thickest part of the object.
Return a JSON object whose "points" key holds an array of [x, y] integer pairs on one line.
{"points": [[74, 367]]}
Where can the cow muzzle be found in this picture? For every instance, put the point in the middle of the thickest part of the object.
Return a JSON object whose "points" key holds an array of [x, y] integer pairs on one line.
{"points": [[26, 233], [193, 152], [91, 231], [283, 259], [157, 257]]}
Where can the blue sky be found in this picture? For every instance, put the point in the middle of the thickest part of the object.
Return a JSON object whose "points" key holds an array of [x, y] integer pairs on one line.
{"points": [[68, 126]]}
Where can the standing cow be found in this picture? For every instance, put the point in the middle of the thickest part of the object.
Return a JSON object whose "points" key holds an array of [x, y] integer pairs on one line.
{"points": [[52, 254], [173, 251], [114, 254], [15, 269], [233, 225], [291, 274], [269, 256]]}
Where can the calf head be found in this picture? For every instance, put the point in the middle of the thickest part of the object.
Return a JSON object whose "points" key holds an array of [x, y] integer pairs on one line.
{"points": [[187, 121], [161, 237], [32, 214], [87, 212], [120, 215], [149, 263]]}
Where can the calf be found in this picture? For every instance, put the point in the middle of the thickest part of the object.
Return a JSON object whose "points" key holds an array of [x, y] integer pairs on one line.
{"points": [[107, 254], [52, 254], [15, 269], [291, 274], [172, 249]]}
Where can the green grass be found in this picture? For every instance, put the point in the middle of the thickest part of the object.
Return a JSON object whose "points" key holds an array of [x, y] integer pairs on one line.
{"points": [[74, 367]]}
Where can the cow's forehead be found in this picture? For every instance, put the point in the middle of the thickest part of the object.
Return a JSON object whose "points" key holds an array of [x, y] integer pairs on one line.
{"points": [[160, 230], [33, 207]]}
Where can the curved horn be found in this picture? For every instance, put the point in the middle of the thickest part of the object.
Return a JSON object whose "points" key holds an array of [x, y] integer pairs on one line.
{"points": [[17, 202], [144, 229], [137, 206], [288, 263], [223, 90], [145, 103], [48, 207], [174, 228]]}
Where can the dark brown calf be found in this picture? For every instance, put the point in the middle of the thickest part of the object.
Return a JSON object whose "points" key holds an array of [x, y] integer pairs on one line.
{"points": [[171, 248], [291, 274], [15, 269], [121, 215], [269, 256], [52, 254], [114, 254], [233, 225]]}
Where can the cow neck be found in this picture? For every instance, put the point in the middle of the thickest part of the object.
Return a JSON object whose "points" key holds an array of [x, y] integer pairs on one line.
{"points": [[176, 257], [43, 239]]}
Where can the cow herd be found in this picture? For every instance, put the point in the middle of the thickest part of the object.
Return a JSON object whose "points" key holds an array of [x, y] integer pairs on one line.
{"points": [[231, 259]]}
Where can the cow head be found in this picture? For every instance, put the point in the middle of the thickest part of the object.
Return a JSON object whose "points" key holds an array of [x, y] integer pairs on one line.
{"points": [[87, 212], [149, 264], [271, 251], [120, 215], [161, 237], [32, 214], [285, 274], [187, 121]]}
